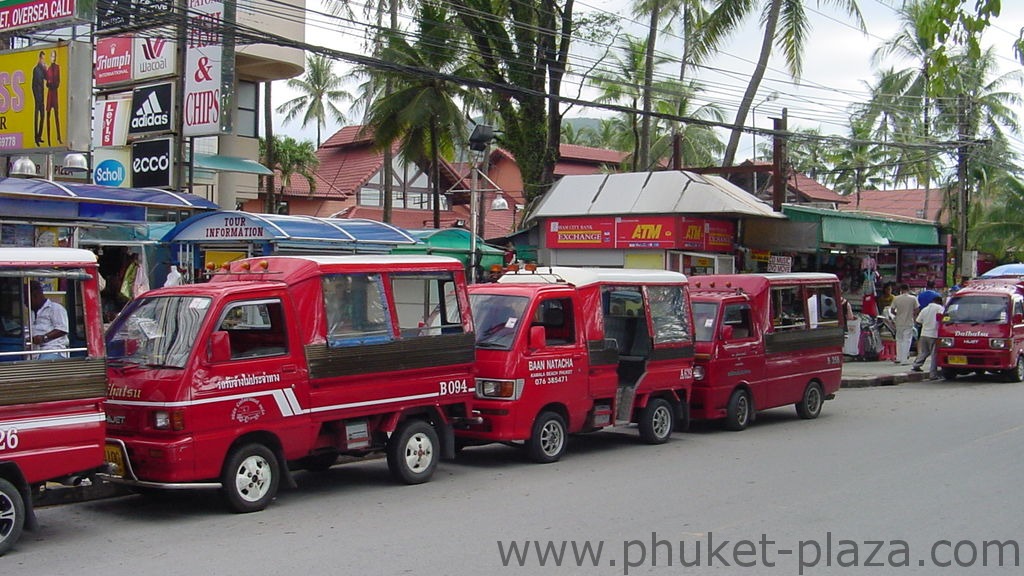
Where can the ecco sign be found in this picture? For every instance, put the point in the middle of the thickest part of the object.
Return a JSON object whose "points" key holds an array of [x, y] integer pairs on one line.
{"points": [[151, 163], [151, 109]]}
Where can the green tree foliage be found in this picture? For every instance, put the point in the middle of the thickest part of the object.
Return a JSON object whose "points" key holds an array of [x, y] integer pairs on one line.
{"points": [[291, 158], [320, 93]]}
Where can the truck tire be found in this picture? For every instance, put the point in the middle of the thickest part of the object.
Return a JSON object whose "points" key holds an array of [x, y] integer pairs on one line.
{"points": [[657, 420], [548, 440], [949, 373], [738, 411], [1016, 374], [683, 419], [413, 452], [250, 478], [12, 515], [809, 407]]}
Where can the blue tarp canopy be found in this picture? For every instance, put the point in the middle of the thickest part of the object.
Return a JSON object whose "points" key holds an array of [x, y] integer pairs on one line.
{"points": [[41, 189], [235, 226]]}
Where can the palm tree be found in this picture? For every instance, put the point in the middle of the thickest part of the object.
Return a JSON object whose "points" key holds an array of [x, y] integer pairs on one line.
{"points": [[699, 144], [858, 162], [790, 38], [291, 158], [623, 84], [320, 90], [422, 111]]}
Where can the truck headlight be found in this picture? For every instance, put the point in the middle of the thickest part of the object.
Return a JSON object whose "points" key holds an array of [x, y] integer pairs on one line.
{"points": [[946, 342], [504, 389], [698, 372], [999, 343]]}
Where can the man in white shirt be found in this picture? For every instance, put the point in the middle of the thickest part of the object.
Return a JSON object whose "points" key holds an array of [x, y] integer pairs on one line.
{"points": [[49, 322], [929, 318]]}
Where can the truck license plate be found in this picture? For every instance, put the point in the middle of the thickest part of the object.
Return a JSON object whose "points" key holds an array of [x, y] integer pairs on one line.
{"points": [[958, 360], [115, 457]]}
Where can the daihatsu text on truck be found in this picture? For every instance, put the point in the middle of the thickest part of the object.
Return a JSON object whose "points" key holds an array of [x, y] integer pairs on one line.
{"points": [[52, 376], [765, 340], [564, 350], [286, 362], [982, 329]]}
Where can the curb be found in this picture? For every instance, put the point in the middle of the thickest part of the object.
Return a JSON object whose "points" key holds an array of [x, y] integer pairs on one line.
{"points": [[866, 381]]}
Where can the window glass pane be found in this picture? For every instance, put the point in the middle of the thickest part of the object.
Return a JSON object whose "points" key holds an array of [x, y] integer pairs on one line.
{"points": [[356, 308], [788, 308], [369, 197], [669, 314], [555, 315], [737, 316], [59, 306], [822, 306], [425, 304]]}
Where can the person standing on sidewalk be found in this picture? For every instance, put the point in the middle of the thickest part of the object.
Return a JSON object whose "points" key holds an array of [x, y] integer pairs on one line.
{"points": [[927, 295], [929, 318], [904, 312]]}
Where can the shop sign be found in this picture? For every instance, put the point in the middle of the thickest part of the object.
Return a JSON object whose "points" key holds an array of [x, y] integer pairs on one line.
{"points": [[42, 14], [151, 109], [650, 232], [153, 57], [760, 255], [658, 232], [110, 122], [780, 264], [113, 60], [235, 226], [707, 235], [151, 163]]}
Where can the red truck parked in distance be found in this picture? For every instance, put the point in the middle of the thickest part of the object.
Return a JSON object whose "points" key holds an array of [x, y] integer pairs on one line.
{"points": [[763, 341], [982, 329], [284, 363], [51, 409], [564, 350]]}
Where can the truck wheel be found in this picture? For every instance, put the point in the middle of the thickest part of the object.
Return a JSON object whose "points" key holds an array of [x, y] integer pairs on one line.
{"points": [[547, 443], [809, 407], [1016, 374], [656, 421], [949, 373], [412, 452], [737, 413], [250, 478], [12, 515]]}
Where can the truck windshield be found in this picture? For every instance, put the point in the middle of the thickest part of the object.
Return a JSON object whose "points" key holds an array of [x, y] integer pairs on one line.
{"points": [[977, 310], [496, 317], [704, 314], [156, 332]]}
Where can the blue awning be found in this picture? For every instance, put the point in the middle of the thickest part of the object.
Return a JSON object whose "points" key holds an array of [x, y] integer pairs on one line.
{"points": [[41, 189], [235, 226]]}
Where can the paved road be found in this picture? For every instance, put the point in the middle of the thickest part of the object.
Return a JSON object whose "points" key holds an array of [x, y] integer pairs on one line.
{"points": [[917, 463]]}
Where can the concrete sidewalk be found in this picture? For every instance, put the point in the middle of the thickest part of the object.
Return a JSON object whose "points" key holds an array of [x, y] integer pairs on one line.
{"points": [[881, 373]]}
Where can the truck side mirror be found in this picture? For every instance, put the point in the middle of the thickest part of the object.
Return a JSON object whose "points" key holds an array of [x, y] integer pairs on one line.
{"points": [[220, 346], [726, 332], [1018, 318], [538, 338]]}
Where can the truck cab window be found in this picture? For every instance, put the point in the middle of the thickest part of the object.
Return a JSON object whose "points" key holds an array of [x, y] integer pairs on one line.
{"points": [[255, 329], [737, 316], [788, 308], [555, 315]]}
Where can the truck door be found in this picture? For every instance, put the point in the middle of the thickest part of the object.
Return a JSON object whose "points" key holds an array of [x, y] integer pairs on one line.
{"points": [[559, 364], [252, 353], [740, 353]]}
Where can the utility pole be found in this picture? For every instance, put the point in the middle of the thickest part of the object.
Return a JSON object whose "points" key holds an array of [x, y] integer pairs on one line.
{"points": [[962, 184], [781, 126]]}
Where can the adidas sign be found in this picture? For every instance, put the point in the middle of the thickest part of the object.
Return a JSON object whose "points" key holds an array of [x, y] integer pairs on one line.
{"points": [[150, 114]]}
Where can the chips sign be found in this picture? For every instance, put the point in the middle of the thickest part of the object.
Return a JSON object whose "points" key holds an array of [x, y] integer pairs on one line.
{"points": [[43, 14]]}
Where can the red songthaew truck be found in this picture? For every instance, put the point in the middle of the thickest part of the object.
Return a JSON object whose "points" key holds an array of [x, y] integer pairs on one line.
{"points": [[564, 350], [763, 341], [282, 363], [982, 329], [51, 409]]}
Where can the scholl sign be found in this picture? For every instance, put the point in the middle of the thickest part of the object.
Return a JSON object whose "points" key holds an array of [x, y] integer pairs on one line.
{"points": [[110, 173]]}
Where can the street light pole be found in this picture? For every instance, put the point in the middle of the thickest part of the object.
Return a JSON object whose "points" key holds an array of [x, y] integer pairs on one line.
{"points": [[753, 133], [479, 140]]}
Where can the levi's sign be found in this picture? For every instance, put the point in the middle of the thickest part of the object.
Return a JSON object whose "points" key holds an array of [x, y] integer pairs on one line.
{"points": [[151, 109]]}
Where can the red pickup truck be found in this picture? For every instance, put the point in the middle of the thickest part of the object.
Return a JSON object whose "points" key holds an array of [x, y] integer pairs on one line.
{"points": [[52, 385]]}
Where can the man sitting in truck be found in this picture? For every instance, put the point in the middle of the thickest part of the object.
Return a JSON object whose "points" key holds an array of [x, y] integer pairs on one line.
{"points": [[49, 321]]}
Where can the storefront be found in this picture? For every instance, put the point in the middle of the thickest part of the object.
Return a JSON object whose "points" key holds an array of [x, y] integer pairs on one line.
{"points": [[123, 226], [849, 245], [665, 220]]}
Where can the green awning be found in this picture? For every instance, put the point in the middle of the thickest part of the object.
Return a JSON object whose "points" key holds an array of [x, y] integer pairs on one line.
{"points": [[851, 231], [220, 163], [910, 233]]}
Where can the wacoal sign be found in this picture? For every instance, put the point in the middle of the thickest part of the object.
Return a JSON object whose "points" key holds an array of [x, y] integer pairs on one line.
{"points": [[153, 57]]}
